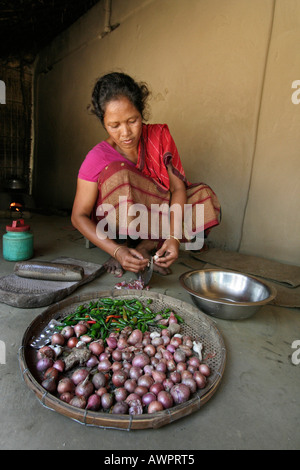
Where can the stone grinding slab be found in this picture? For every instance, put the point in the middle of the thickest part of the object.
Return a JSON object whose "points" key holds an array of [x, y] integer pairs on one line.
{"points": [[32, 293]]}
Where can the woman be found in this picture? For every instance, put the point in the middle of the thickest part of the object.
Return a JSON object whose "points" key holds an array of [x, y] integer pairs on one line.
{"points": [[137, 163]]}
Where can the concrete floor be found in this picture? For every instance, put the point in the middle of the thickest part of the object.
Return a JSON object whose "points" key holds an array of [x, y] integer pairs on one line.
{"points": [[255, 407]]}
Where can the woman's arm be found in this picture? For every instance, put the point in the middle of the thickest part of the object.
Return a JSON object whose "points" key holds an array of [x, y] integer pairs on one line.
{"points": [[170, 248], [84, 202]]}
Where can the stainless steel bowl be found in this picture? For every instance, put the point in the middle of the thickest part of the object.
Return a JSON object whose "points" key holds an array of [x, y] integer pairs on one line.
{"points": [[227, 294]]}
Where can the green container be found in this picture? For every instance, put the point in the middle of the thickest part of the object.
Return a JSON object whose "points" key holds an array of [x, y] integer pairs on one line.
{"points": [[17, 242]]}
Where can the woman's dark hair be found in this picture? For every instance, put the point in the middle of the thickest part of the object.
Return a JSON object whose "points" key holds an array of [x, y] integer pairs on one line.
{"points": [[115, 85]]}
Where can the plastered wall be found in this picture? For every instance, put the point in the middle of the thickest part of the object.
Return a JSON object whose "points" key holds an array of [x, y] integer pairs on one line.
{"points": [[221, 74]]}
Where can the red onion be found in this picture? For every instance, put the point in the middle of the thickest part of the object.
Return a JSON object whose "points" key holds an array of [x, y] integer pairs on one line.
{"points": [[130, 385], [171, 348], [141, 390], [200, 379], [135, 372], [158, 376], [145, 381], [94, 402], [127, 366], [191, 383], [72, 342], [44, 364], [107, 400], [66, 397], [187, 341], [161, 367], [187, 350], [148, 369], [146, 340], [58, 338], [155, 406], [148, 398], [96, 347], [112, 342], [84, 389], [86, 339], [79, 375], [120, 408], [171, 366], [116, 366], [172, 318], [204, 369], [133, 397], [80, 329], [168, 384], [59, 365], [180, 393], [99, 380], [165, 398], [46, 351], [175, 376], [156, 388], [49, 385], [119, 378], [92, 361], [117, 355], [122, 343], [101, 391], [140, 360], [157, 341], [186, 373], [120, 394], [181, 366], [79, 402], [65, 385], [179, 356], [168, 356], [68, 332], [104, 356], [150, 350], [127, 355], [176, 341], [104, 366], [135, 408], [135, 337], [51, 373]]}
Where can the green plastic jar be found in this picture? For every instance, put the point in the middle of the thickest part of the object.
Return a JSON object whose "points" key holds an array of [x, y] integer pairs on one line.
{"points": [[17, 242]]}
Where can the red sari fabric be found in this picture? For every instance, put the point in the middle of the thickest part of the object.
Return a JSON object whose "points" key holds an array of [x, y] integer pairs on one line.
{"points": [[148, 184]]}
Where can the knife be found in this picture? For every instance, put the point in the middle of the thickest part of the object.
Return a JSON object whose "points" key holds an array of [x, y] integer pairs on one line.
{"points": [[146, 274]]}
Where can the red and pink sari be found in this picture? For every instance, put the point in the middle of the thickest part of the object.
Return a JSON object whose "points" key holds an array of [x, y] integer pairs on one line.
{"points": [[147, 184]]}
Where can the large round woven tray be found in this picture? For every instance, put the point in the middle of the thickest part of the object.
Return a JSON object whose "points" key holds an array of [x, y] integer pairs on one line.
{"points": [[196, 324]]}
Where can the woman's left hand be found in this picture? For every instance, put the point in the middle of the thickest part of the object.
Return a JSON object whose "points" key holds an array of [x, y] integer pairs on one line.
{"points": [[167, 254]]}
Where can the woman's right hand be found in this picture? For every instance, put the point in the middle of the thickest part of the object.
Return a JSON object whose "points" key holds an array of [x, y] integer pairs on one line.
{"points": [[130, 259]]}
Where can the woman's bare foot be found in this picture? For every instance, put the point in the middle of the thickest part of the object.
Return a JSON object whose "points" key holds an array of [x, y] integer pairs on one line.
{"points": [[146, 247], [113, 266]]}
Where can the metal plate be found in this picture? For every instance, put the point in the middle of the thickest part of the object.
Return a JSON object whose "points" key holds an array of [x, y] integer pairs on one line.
{"points": [[196, 324]]}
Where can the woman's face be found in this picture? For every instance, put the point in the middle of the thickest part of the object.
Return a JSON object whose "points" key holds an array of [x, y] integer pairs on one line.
{"points": [[123, 123]]}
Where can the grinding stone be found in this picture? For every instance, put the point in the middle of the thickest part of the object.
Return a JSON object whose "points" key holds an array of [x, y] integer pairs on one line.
{"points": [[49, 271], [31, 293]]}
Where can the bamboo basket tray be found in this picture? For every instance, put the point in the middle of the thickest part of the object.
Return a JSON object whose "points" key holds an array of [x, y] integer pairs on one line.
{"points": [[196, 324]]}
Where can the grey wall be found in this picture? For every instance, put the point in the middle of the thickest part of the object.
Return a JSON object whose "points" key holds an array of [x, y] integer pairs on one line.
{"points": [[221, 74]]}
